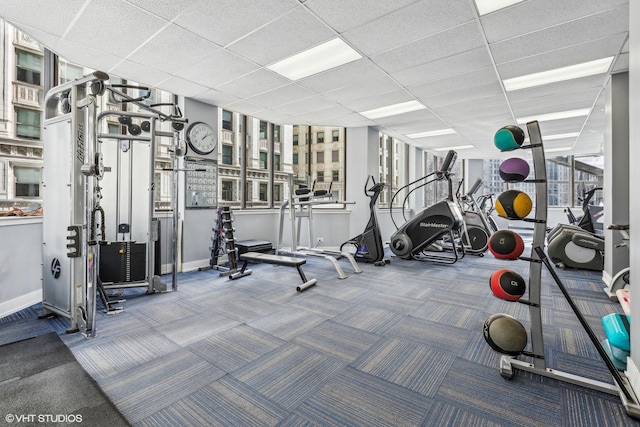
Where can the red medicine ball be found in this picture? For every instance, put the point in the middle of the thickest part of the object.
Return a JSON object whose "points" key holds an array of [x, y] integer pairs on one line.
{"points": [[505, 244], [507, 285]]}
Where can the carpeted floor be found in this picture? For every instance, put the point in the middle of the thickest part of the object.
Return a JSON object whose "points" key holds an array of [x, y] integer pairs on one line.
{"points": [[399, 345]]}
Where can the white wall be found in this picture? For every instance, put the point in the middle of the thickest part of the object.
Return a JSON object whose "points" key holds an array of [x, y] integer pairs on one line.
{"points": [[21, 265]]}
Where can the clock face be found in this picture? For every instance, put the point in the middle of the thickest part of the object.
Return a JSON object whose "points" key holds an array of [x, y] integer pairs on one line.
{"points": [[202, 138]]}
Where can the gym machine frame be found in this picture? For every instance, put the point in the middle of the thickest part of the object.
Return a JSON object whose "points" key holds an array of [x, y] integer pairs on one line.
{"points": [[301, 206], [538, 363], [72, 195]]}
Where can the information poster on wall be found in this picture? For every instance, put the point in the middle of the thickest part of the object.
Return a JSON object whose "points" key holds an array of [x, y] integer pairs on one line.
{"points": [[201, 184]]}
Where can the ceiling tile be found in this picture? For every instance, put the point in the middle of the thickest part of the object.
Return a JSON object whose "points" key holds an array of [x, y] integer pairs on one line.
{"points": [[354, 72], [343, 15], [167, 9], [281, 95], [139, 73], [587, 29], [456, 83], [553, 89], [622, 63], [530, 16], [182, 87], [254, 83], [362, 90], [82, 54], [95, 27], [222, 22], [184, 48], [451, 42], [292, 33], [578, 54], [218, 67], [417, 21], [50, 18], [435, 70], [379, 100], [215, 97], [549, 102], [306, 105]]}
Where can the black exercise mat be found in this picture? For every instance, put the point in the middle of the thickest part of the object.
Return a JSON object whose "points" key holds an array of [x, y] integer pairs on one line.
{"points": [[41, 383]]}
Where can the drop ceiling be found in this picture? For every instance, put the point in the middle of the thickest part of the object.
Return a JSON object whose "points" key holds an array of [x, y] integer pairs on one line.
{"points": [[442, 54]]}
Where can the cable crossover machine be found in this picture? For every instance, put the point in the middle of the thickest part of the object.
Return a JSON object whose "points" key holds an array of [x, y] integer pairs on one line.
{"points": [[93, 247]]}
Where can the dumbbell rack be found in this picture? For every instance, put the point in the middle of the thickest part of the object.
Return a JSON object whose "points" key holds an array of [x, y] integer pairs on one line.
{"points": [[538, 364], [223, 243]]}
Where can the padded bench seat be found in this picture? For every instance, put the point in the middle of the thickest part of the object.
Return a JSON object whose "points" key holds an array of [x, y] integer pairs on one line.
{"points": [[281, 260]]}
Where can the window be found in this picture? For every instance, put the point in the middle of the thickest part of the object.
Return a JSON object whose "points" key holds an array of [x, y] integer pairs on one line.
{"points": [[295, 158], [320, 176], [227, 154], [335, 135], [227, 120], [27, 181], [320, 137], [295, 139], [263, 160], [28, 67], [263, 191], [263, 130], [227, 190], [276, 133], [320, 157], [277, 192], [68, 72], [335, 156], [27, 123], [276, 162], [114, 128], [335, 176], [3, 177]]}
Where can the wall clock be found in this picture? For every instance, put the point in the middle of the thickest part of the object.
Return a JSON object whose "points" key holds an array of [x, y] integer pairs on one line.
{"points": [[201, 138]]}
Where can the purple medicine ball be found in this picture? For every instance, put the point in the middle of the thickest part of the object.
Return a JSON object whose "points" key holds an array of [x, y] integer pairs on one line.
{"points": [[514, 170]]}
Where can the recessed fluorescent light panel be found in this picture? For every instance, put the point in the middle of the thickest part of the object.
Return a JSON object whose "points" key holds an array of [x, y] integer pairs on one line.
{"points": [[392, 110], [431, 133], [458, 147], [488, 6], [323, 57], [555, 116], [585, 69], [557, 136]]}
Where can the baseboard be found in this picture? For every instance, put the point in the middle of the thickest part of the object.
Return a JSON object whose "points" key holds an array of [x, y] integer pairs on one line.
{"points": [[17, 304], [194, 265], [633, 375]]}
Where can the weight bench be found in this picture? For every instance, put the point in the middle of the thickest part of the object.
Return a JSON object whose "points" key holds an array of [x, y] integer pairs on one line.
{"points": [[285, 261]]}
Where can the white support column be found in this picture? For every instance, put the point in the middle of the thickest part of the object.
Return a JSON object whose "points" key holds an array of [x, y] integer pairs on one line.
{"points": [[363, 159], [616, 173]]}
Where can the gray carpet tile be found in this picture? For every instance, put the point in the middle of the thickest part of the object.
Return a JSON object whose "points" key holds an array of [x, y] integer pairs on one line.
{"points": [[509, 402], [195, 327], [431, 334], [370, 319], [405, 363], [322, 304], [107, 357], [443, 414], [355, 398], [22, 328], [287, 322], [235, 347], [337, 340], [146, 389], [586, 408], [289, 375], [225, 402], [448, 314]]}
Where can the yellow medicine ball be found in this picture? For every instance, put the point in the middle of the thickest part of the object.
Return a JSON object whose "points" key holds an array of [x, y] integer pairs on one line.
{"points": [[513, 204]]}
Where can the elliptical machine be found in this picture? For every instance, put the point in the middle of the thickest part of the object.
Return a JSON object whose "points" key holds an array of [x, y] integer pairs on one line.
{"points": [[368, 245], [476, 229], [413, 239]]}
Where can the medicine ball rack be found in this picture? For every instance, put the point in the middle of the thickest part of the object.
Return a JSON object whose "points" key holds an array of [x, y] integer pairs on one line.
{"points": [[537, 365]]}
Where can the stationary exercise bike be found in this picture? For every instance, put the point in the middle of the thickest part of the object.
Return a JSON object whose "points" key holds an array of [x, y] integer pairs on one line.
{"points": [[368, 245], [413, 239]]}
